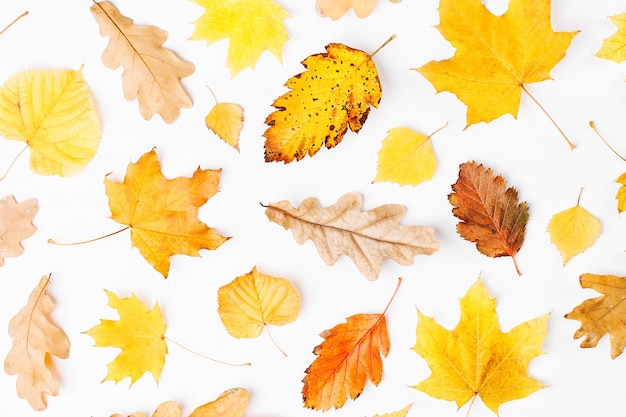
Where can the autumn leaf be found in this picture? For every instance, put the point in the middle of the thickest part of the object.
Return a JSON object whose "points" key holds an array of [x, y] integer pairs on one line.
{"points": [[252, 301], [476, 358], [151, 73], [231, 403], [337, 8], [490, 213], [488, 73], [601, 315], [15, 225], [166, 409], [406, 157], [252, 26], [614, 47], [366, 237], [573, 231], [52, 111], [226, 121], [139, 333], [333, 95], [621, 193], [349, 356], [36, 339], [162, 213], [399, 413]]}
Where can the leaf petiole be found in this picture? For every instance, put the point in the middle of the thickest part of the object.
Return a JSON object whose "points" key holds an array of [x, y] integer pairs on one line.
{"points": [[13, 22], [13, 162], [571, 145], [53, 242], [593, 126], [204, 356]]}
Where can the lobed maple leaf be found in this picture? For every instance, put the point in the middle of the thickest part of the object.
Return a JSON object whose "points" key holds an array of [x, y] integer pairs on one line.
{"points": [[253, 26], [162, 213], [36, 339], [601, 315], [139, 333], [53, 112], [366, 237], [15, 225], [152, 73], [476, 358], [496, 56], [490, 213], [349, 356], [614, 47], [337, 8], [333, 95]]}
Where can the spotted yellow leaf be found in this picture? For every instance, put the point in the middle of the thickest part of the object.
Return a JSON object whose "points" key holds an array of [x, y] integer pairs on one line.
{"points": [[53, 113]]}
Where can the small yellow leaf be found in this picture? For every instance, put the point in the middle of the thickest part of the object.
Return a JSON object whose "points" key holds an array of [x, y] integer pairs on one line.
{"points": [[573, 231], [53, 112], [139, 332], [614, 47], [226, 121], [231, 403], [252, 301], [406, 158], [621, 193], [399, 413]]}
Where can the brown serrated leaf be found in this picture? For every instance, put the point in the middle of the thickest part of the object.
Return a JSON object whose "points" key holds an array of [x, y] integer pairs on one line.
{"points": [[366, 237], [490, 213], [15, 225], [152, 73]]}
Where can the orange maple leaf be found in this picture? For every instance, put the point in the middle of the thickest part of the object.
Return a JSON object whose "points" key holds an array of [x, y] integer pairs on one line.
{"points": [[162, 213], [490, 213], [348, 357]]}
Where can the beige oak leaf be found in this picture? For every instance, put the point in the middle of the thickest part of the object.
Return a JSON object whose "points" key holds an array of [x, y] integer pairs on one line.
{"points": [[15, 225], [366, 237]]}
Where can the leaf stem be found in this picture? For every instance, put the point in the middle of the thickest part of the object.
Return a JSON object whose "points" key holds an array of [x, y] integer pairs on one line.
{"points": [[392, 296], [579, 194], [213, 94], [13, 22], [274, 341], [53, 242], [204, 356], [470, 406], [438, 130], [519, 273], [593, 126], [571, 145], [13, 162], [392, 37]]}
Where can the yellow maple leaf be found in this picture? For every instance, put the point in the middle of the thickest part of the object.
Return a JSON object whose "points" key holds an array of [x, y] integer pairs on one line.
{"points": [[226, 121], [333, 95], [621, 193], [573, 231], [253, 26], [53, 112], [496, 56], [476, 358], [151, 73], [250, 302], [406, 157], [139, 333], [614, 47], [337, 8], [162, 213]]}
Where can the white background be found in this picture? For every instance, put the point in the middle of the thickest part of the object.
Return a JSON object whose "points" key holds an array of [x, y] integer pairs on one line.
{"points": [[528, 152]]}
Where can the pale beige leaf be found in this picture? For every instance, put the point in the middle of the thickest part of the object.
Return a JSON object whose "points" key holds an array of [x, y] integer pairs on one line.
{"points": [[366, 237], [15, 225]]}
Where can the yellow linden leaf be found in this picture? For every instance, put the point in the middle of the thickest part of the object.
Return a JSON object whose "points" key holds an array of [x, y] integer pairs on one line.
{"points": [[476, 358], [53, 112], [614, 47], [496, 56], [621, 193], [406, 158], [252, 301], [253, 26], [573, 231], [139, 332], [226, 121], [399, 413], [333, 95]]}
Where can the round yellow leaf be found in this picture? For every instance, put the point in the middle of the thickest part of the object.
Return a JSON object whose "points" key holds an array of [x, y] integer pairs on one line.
{"points": [[226, 121], [573, 231]]}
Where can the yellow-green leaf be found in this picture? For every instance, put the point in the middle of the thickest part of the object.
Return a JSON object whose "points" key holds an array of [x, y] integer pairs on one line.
{"points": [[406, 158], [614, 47], [53, 112]]}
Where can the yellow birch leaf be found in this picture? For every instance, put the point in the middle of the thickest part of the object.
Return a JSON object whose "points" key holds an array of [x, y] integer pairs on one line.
{"points": [[621, 193], [614, 47], [139, 333], [573, 231], [226, 121], [53, 113], [476, 358], [253, 26], [406, 158], [399, 413], [252, 301]]}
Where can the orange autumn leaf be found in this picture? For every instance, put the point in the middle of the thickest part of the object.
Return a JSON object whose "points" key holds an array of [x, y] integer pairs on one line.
{"points": [[490, 212], [163, 213], [496, 56], [349, 356], [152, 73], [36, 339], [334, 95], [337, 8], [604, 314], [15, 225]]}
